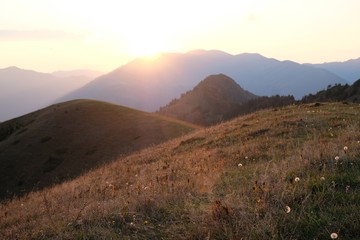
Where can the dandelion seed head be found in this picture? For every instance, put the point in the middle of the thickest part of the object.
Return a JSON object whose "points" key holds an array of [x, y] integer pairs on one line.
{"points": [[334, 236], [322, 179], [297, 179], [337, 158], [240, 165], [287, 209], [345, 149]]}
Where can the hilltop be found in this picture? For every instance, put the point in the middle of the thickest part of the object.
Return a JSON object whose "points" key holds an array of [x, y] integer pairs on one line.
{"points": [[65, 140], [213, 100], [286, 173]]}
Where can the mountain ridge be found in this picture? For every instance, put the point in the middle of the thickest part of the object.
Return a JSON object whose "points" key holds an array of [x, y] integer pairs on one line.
{"points": [[148, 85]]}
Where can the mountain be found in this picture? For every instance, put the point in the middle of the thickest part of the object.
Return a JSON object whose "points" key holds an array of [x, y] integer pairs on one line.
{"points": [[338, 93], [348, 70], [23, 91], [292, 173], [213, 100], [90, 74], [149, 84], [67, 139]]}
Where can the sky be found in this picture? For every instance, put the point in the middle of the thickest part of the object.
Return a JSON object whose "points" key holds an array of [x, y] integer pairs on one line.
{"points": [[51, 35]]}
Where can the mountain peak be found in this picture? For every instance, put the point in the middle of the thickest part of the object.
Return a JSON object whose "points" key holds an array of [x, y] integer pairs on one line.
{"points": [[213, 100], [219, 81]]}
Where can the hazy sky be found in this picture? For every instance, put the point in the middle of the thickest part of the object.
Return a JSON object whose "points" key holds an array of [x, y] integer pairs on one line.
{"points": [[49, 35]]}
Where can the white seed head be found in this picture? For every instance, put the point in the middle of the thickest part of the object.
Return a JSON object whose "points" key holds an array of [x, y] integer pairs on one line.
{"points": [[240, 165], [297, 179], [287, 209], [337, 158], [322, 179], [334, 236]]}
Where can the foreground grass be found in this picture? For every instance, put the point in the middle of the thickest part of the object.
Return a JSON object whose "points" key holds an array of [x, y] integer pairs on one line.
{"points": [[275, 174]]}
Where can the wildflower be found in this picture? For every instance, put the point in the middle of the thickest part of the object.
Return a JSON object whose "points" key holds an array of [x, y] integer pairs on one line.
{"points": [[287, 209], [337, 158], [334, 236], [345, 149], [146, 222], [240, 165], [322, 179], [132, 224], [297, 179], [246, 157], [347, 188]]}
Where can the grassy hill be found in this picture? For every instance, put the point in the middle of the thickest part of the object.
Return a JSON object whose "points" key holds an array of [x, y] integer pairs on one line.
{"points": [[65, 140], [289, 173]]}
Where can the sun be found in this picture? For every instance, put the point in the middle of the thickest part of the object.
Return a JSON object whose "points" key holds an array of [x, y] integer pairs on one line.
{"points": [[148, 46]]}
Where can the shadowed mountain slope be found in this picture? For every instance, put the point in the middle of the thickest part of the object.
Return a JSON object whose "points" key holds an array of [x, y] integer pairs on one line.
{"points": [[289, 173], [213, 100], [337, 92], [65, 140], [148, 85]]}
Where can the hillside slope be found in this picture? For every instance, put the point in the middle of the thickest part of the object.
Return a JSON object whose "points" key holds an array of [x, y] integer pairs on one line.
{"points": [[213, 100], [290, 173], [148, 85], [65, 140], [338, 92]]}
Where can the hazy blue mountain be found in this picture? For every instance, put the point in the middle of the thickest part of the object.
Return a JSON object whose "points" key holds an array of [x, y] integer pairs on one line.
{"points": [[23, 91], [147, 85], [85, 73], [348, 70]]}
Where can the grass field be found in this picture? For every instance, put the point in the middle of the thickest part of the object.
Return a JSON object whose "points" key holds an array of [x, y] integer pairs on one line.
{"points": [[287, 173], [65, 140]]}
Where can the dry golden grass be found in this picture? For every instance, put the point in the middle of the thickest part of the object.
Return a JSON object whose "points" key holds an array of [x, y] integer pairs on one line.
{"points": [[65, 140], [267, 175]]}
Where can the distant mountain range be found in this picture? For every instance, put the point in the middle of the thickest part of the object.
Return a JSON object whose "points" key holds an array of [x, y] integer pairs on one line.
{"points": [[23, 91], [213, 100], [65, 140], [147, 85], [348, 70]]}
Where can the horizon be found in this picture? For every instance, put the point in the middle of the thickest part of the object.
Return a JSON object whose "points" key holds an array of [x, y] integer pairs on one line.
{"points": [[156, 56], [48, 36]]}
